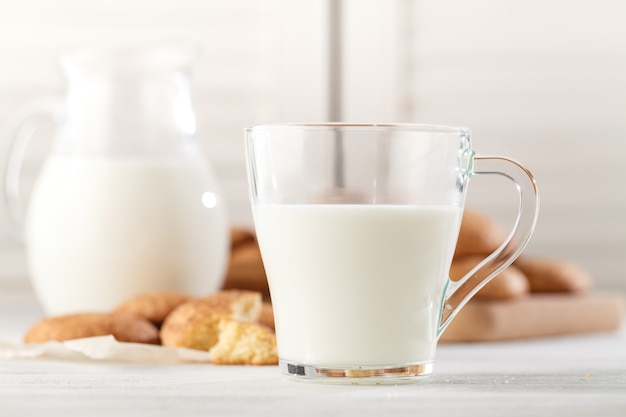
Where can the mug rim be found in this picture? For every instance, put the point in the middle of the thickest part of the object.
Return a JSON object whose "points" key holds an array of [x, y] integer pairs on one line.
{"points": [[430, 128]]}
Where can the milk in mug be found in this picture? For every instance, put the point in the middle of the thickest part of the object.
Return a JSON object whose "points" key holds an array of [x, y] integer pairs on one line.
{"points": [[102, 229], [357, 284]]}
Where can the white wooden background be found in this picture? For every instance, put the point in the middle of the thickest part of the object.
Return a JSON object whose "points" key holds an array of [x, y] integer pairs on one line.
{"points": [[543, 81]]}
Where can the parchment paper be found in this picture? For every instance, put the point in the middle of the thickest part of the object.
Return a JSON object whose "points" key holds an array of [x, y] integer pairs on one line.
{"points": [[102, 348]]}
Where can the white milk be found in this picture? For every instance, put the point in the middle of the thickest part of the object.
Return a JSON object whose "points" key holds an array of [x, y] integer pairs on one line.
{"points": [[357, 284], [102, 229]]}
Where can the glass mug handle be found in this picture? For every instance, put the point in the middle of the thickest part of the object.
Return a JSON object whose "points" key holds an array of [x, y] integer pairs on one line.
{"points": [[458, 293]]}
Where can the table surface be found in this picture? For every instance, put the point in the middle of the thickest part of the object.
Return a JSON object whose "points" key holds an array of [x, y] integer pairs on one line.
{"points": [[582, 375]]}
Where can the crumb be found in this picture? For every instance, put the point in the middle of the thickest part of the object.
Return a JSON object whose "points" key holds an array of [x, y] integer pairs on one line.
{"points": [[242, 343]]}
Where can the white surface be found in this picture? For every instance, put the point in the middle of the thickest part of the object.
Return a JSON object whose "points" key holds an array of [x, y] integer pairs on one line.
{"points": [[570, 376]]}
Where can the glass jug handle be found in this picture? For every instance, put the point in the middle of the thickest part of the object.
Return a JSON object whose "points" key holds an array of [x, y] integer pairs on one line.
{"points": [[18, 131], [458, 293]]}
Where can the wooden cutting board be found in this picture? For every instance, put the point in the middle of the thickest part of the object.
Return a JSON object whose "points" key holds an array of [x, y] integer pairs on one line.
{"points": [[537, 315]]}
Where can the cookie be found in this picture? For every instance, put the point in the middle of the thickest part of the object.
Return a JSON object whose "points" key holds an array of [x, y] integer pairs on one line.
{"points": [[153, 306], [124, 327], [195, 324], [246, 270], [479, 234], [244, 343], [240, 236], [511, 283], [549, 275]]}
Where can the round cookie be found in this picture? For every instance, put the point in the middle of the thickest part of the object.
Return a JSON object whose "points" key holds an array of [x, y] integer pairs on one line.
{"points": [[124, 327], [153, 306]]}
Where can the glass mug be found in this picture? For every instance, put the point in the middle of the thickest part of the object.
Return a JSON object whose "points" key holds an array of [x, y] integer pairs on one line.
{"points": [[357, 226]]}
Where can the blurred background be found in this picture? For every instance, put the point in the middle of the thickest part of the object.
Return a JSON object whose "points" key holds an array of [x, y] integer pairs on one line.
{"points": [[543, 81]]}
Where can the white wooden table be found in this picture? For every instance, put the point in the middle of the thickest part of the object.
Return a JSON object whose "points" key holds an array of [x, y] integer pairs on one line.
{"points": [[566, 376]]}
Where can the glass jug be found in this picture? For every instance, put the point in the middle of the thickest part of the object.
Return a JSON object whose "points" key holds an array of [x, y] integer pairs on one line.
{"points": [[124, 203]]}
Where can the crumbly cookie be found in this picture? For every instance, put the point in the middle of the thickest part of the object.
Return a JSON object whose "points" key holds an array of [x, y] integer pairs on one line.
{"points": [[153, 306], [195, 324], [124, 327], [244, 343]]}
